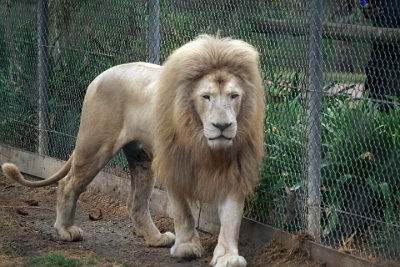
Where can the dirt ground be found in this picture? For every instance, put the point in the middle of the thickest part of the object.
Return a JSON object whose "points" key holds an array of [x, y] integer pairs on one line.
{"points": [[27, 234]]}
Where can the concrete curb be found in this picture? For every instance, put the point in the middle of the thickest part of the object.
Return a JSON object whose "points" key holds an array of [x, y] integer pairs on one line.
{"points": [[253, 233]]}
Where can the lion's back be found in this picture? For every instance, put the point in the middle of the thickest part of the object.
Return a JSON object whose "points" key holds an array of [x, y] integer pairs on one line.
{"points": [[126, 79], [122, 98]]}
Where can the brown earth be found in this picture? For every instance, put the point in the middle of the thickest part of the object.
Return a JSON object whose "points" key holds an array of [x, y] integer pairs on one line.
{"points": [[26, 232]]}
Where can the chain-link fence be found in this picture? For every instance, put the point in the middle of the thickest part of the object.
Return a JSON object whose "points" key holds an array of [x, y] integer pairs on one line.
{"points": [[331, 74]]}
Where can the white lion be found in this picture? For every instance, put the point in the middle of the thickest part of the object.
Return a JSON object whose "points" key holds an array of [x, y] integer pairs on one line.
{"points": [[198, 119]]}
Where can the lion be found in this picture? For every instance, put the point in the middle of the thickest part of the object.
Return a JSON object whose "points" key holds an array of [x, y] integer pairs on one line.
{"points": [[196, 122]]}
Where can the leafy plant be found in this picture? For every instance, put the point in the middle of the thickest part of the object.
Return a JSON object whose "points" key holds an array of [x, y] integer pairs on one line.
{"points": [[18, 117], [360, 183]]}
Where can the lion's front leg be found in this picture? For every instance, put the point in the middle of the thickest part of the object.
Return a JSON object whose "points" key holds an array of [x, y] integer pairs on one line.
{"points": [[230, 211], [187, 242]]}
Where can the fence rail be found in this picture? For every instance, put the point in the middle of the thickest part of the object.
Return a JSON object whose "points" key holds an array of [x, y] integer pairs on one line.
{"points": [[337, 31], [332, 81]]}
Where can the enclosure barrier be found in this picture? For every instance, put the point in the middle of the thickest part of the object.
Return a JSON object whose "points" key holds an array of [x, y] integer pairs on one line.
{"points": [[331, 165]]}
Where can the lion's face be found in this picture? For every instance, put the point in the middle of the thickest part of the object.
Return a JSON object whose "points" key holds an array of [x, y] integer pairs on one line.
{"points": [[217, 100]]}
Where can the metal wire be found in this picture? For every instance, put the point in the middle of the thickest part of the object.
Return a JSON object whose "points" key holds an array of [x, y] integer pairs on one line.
{"points": [[350, 63]]}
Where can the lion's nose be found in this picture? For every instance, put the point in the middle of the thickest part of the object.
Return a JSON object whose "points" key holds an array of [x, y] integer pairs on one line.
{"points": [[222, 126]]}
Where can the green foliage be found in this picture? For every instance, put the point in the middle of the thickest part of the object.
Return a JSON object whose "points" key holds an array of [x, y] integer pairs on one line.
{"points": [[360, 148], [18, 117], [18, 110], [283, 171]]}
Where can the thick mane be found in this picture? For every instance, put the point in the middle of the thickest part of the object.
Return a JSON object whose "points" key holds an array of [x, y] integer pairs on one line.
{"points": [[183, 161], [206, 54]]}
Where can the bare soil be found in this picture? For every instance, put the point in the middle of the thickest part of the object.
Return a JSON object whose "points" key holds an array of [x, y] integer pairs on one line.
{"points": [[26, 232]]}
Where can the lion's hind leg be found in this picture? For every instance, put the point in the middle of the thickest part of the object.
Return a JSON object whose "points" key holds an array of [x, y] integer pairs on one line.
{"points": [[66, 206], [84, 169], [142, 182]]}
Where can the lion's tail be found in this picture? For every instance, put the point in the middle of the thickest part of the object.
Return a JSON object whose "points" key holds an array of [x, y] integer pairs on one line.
{"points": [[11, 171]]}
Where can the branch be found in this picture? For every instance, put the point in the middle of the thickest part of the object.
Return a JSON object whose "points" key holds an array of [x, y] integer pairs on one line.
{"points": [[338, 31]]}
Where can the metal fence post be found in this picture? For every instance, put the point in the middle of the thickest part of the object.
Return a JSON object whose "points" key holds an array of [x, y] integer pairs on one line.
{"points": [[314, 122], [154, 36], [42, 75]]}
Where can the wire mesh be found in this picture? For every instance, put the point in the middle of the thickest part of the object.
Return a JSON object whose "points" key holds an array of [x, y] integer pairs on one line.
{"points": [[354, 74]]}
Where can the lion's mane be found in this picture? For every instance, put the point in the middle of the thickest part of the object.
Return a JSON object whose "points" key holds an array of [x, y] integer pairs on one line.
{"points": [[183, 161]]}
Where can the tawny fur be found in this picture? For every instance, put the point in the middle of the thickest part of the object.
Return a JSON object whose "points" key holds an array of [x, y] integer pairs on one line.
{"points": [[149, 111]]}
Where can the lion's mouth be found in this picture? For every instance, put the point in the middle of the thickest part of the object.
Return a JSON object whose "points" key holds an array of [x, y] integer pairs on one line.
{"points": [[219, 138]]}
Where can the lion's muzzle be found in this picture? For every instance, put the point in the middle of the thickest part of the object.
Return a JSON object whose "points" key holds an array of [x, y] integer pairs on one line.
{"points": [[222, 126]]}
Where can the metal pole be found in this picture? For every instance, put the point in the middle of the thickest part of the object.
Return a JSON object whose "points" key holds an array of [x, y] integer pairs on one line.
{"points": [[314, 122], [42, 76], [154, 39]]}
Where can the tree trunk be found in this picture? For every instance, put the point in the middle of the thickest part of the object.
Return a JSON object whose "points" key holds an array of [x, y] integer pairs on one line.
{"points": [[61, 12], [344, 50], [14, 66], [42, 76]]}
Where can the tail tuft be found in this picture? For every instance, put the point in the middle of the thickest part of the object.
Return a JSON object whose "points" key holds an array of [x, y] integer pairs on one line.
{"points": [[11, 171]]}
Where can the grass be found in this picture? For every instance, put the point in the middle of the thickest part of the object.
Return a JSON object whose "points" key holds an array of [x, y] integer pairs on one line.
{"points": [[7, 251], [60, 260], [56, 259], [8, 223]]}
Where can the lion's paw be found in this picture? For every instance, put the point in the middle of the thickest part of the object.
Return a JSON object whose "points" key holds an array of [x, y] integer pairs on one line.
{"points": [[163, 240], [72, 233], [229, 261], [187, 250]]}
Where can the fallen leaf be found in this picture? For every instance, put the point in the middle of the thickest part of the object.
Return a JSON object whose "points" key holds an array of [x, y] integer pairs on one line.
{"points": [[98, 218], [367, 155], [22, 211], [32, 202]]}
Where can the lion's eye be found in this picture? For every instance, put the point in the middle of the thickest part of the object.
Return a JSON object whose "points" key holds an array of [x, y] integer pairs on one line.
{"points": [[206, 97], [233, 96]]}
